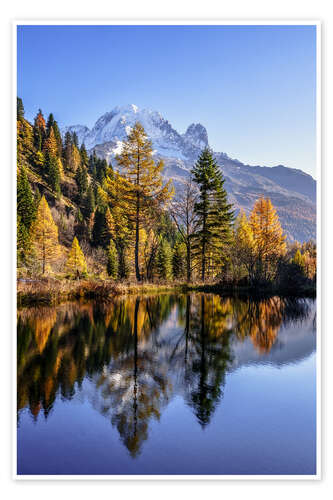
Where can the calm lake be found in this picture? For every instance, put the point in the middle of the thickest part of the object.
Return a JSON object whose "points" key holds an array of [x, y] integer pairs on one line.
{"points": [[168, 384]]}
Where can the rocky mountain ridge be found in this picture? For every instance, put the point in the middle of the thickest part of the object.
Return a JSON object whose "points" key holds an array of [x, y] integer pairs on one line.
{"points": [[292, 191]]}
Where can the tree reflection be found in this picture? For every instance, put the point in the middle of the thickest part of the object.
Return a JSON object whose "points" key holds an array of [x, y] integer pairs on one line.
{"points": [[261, 320], [134, 387], [129, 357]]}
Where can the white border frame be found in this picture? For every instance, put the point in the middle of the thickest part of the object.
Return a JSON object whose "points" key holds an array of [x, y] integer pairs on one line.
{"points": [[184, 22]]}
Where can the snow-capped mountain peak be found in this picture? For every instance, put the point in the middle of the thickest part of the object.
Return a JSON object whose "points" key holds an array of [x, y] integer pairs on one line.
{"points": [[196, 134], [286, 187], [114, 126]]}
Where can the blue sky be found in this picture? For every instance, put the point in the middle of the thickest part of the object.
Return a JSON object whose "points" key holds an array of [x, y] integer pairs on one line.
{"points": [[252, 87]]}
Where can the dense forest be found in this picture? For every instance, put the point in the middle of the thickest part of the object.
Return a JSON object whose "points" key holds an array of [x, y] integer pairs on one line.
{"points": [[81, 218]]}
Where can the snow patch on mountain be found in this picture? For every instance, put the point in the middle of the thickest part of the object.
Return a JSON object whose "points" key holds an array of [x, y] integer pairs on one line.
{"points": [[292, 192], [196, 135], [115, 126]]}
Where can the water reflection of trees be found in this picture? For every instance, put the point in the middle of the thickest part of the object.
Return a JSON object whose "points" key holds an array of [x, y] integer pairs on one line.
{"points": [[260, 320], [203, 351], [139, 351]]}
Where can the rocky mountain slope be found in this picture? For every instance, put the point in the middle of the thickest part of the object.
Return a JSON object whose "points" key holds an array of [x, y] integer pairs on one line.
{"points": [[292, 191]]}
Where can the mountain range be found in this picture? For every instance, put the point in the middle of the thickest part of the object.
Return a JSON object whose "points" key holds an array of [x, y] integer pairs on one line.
{"points": [[292, 191]]}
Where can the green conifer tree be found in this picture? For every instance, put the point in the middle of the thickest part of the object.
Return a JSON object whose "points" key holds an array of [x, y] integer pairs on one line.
{"points": [[58, 137], [81, 178], [49, 124], [52, 172], [178, 260], [213, 214], [39, 130], [164, 260], [22, 241], [84, 155], [75, 139], [100, 232], [53, 125], [89, 202], [67, 151], [26, 208]]}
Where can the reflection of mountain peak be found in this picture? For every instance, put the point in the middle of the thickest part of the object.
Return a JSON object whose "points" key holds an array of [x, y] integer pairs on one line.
{"points": [[138, 353]]}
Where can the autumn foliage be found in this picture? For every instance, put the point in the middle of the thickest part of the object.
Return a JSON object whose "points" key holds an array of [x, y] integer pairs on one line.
{"points": [[79, 215]]}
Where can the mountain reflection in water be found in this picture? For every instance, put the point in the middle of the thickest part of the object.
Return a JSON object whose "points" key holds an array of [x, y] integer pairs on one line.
{"points": [[138, 353]]}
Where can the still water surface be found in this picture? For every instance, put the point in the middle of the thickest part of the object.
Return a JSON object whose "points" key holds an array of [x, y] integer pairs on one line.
{"points": [[168, 384]]}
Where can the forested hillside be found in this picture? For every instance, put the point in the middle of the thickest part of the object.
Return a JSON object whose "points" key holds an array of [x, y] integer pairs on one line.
{"points": [[79, 216]]}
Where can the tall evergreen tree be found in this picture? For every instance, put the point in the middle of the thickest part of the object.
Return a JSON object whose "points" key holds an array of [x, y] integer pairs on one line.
{"points": [[81, 178], [67, 150], [52, 172], [89, 204], [92, 164], [58, 137], [22, 241], [214, 215], [100, 232], [52, 130], [84, 155], [178, 260], [26, 209], [164, 260], [26, 213], [49, 124], [145, 191], [75, 139], [102, 167], [39, 130]]}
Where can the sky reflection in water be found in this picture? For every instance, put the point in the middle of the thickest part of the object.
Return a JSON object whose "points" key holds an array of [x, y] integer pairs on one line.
{"points": [[168, 384]]}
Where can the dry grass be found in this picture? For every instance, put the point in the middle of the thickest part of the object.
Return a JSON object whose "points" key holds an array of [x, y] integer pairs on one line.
{"points": [[52, 291]]}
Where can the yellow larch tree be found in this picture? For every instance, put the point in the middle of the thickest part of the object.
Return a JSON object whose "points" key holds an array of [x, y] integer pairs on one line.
{"points": [[269, 239], [144, 192], [76, 158], [50, 144], [45, 236], [117, 220], [76, 262], [244, 244]]}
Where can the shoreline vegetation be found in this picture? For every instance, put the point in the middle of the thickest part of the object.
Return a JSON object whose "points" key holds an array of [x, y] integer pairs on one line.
{"points": [[52, 291], [89, 229]]}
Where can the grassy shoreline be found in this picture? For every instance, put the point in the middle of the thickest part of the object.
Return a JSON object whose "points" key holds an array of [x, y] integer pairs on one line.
{"points": [[55, 291]]}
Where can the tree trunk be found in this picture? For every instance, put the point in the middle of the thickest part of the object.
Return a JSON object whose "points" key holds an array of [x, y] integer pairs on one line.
{"points": [[203, 253], [188, 261], [137, 269], [44, 258], [137, 221], [203, 260]]}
